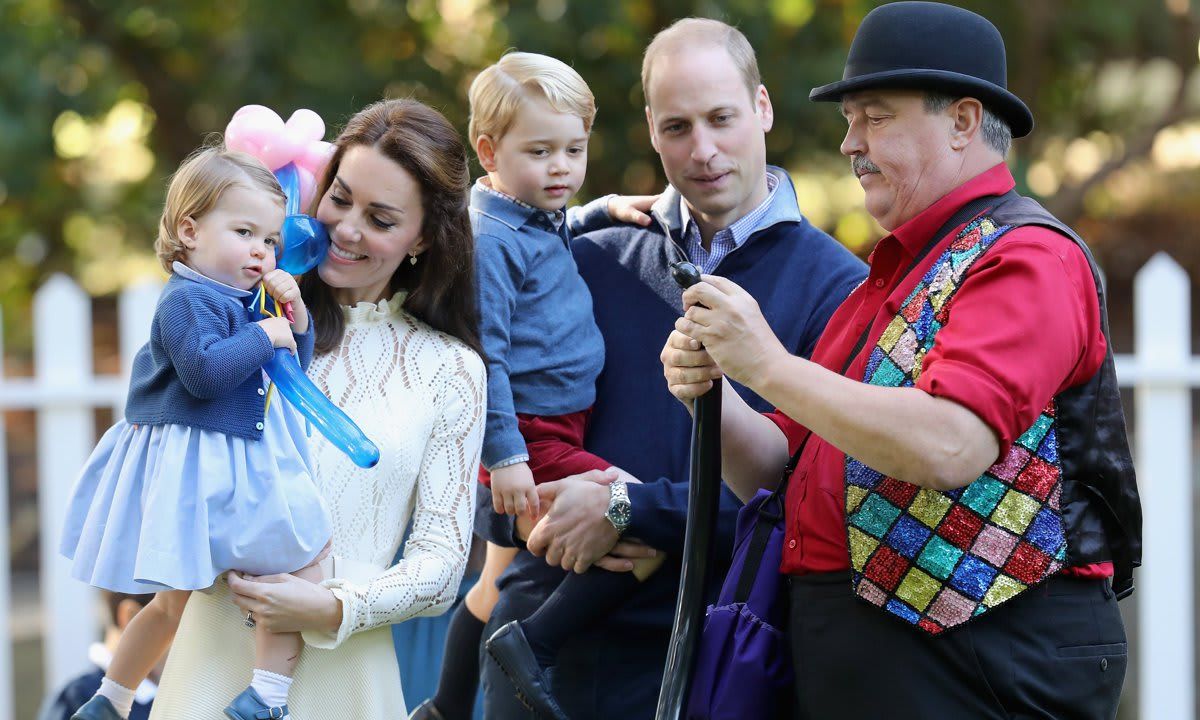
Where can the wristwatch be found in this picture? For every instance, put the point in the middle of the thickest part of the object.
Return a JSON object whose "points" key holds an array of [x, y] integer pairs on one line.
{"points": [[619, 510]]}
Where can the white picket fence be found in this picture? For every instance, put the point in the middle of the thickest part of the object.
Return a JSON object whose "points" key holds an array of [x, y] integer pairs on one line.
{"points": [[1162, 372]]}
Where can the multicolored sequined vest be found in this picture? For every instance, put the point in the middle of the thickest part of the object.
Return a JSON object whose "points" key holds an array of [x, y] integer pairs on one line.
{"points": [[937, 559]]}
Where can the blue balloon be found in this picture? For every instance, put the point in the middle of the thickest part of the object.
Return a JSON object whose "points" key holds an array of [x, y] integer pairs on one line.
{"points": [[305, 240], [284, 370]]}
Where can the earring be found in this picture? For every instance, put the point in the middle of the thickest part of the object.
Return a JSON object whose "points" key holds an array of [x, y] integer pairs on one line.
{"points": [[412, 259]]}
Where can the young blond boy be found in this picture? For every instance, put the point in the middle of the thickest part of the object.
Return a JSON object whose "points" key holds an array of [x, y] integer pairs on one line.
{"points": [[531, 116]]}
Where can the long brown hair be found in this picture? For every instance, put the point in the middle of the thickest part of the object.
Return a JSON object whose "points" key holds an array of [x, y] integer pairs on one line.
{"points": [[441, 287]]}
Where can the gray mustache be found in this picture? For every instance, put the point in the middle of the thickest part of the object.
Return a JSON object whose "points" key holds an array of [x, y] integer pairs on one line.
{"points": [[861, 164]]}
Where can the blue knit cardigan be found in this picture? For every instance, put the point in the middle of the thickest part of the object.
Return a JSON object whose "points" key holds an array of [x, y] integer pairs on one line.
{"points": [[203, 365]]}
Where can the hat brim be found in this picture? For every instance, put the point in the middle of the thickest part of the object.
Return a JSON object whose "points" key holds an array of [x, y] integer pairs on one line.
{"points": [[997, 99]]}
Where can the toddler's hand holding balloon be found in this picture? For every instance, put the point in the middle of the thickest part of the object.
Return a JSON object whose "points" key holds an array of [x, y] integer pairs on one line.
{"points": [[280, 285], [279, 331]]}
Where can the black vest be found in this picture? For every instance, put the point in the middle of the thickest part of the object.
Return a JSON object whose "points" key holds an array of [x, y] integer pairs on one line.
{"points": [[1102, 514]]}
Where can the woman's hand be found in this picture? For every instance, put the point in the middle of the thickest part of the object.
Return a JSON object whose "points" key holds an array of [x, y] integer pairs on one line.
{"points": [[727, 321], [285, 603], [688, 368], [280, 285]]}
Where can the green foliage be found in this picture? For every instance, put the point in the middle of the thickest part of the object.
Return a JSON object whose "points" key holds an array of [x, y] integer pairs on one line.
{"points": [[193, 64]]}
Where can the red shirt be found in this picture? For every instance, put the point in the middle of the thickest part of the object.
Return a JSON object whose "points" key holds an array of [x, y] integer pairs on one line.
{"points": [[1025, 325]]}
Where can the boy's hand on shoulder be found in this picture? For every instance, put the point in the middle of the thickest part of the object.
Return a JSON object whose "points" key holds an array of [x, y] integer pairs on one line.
{"points": [[631, 208], [514, 491]]}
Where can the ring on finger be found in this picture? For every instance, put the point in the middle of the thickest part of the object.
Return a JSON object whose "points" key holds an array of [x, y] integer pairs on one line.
{"points": [[250, 619]]}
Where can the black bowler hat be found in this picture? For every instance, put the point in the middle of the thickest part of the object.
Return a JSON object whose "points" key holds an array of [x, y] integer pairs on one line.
{"points": [[930, 46]]}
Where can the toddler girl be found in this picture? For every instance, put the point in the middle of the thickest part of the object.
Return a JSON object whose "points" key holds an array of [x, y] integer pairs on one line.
{"points": [[209, 471]]}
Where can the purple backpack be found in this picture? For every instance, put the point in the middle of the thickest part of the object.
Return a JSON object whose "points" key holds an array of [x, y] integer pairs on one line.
{"points": [[743, 666]]}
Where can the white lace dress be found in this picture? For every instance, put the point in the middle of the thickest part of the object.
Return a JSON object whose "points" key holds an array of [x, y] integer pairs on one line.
{"points": [[421, 396]]}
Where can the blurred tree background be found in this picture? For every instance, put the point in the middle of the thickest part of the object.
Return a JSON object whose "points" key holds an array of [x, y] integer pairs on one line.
{"points": [[99, 100]]}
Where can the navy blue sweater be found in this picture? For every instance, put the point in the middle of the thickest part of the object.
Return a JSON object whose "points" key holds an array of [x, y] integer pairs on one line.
{"points": [[203, 365], [799, 276]]}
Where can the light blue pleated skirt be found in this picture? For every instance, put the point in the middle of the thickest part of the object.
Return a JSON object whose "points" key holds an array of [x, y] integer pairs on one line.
{"points": [[160, 507]]}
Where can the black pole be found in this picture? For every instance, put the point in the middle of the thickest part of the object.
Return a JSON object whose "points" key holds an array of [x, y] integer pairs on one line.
{"points": [[703, 498]]}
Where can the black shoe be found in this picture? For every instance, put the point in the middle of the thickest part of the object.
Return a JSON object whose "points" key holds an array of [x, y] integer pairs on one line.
{"points": [[509, 648], [427, 711]]}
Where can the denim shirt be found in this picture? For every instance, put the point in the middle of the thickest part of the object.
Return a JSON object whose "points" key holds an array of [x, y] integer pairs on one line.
{"points": [[542, 345]]}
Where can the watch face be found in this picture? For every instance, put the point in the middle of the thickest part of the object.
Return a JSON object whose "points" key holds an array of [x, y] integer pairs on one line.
{"points": [[619, 514]]}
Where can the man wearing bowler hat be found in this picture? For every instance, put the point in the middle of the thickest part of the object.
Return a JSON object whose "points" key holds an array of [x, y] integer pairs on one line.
{"points": [[962, 515]]}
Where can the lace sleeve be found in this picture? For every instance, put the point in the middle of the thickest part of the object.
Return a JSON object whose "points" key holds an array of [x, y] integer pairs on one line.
{"points": [[425, 581]]}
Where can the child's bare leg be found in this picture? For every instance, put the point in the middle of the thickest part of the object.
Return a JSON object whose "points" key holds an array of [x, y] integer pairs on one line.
{"points": [[146, 638], [483, 595], [279, 652], [276, 654]]}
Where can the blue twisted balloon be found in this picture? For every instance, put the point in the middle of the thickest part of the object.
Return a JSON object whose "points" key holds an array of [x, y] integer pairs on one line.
{"points": [[284, 371], [305, 242]]}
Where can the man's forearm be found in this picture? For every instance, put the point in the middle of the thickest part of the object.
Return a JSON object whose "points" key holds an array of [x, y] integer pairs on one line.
{"points": [[754, 450], [902, 432]]}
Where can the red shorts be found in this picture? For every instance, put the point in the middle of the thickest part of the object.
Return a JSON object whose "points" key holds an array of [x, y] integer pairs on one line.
{"points": [[555, 447]]}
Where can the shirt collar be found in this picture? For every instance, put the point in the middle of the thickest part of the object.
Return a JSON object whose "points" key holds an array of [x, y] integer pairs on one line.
{"points": [[739, 229], [783, 207], [188, 273], [915, 234], [100, 656], [507, 209]]}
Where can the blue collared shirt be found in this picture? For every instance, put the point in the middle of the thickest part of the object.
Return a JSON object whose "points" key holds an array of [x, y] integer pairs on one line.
{"points": [[780, 206], [726, 239], [556, 217], [186, 271], [542, 346]]}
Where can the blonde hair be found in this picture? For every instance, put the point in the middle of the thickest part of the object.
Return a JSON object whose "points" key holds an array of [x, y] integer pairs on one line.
{"points": [[692, 32], [498, 91], [196, 187]]}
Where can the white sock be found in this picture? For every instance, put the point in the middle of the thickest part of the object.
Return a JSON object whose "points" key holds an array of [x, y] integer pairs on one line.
{"points": [[271, 687], [120, 696]]}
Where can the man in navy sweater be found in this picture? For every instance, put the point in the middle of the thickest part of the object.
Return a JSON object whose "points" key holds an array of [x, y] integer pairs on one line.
{"points": [[730, 213]]}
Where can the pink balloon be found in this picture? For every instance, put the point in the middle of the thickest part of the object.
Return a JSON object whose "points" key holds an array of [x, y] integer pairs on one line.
{"points": [[307, 124], [308, 186], [252, 132], [251, 109], [280, 148], [315, 156]]}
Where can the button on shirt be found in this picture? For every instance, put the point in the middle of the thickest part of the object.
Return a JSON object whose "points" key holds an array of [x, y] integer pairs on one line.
{"points": [[1025, 326], [727, 239]]}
